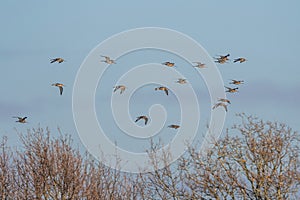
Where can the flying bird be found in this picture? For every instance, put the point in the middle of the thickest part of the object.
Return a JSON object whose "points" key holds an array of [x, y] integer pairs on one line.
{"points": [[59, 60], [222, 59], [236, 82], [120, 87], [60, 86], [199, 65], [163, 89], [142, 117], [181, 81], [224, 100], [169, 64], [231, 90], [174, 126], [108, 60], [21, 119], [220, 104], [241, 60]]}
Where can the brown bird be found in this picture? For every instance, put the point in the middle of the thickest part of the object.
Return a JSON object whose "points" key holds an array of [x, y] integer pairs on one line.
{"points": [[199, 65], [59, 60], [231, 90], [60, 86], [236, 82], [108, 60], [169, 64], [225, 57], [163, 89], [222, 59], [21, 119], [174, 126], [181, 81], [224, 100], [142, 117], [240, 60], [120, 87], [220, 104]]}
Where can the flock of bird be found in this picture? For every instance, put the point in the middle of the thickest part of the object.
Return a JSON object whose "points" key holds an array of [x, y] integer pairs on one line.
{"points": [[221, 101]]}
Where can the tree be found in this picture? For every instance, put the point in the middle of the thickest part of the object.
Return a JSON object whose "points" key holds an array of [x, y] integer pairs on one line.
{"points": [[255, 160], [260, 162], [6, 176]]}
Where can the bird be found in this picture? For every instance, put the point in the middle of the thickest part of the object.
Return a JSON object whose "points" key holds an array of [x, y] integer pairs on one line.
{"points": [[241, 60], [231, 90], [222, 59], [199, 65], [163, 89], [224, 100], [181, 81], [169, 64], [174, 126], [225, 57], [121, 87], [220, 104], [21, 119], [60, 86], [142, 117], [59, 60], [108, 60], [236, 82]]}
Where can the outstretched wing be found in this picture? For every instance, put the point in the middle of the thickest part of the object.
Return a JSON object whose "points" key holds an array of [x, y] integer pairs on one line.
{"points": [[225, 106], [146, 120], [216, 105], [116, 88], [61, 90], [122, 90], [138, 118], [167, 91]]}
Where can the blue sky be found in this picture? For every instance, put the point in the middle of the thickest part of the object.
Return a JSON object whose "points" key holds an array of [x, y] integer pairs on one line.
{"points": [[33, 32]]}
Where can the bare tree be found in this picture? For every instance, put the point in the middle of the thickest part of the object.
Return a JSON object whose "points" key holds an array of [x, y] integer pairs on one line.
{"points": [[255, 160], [48, 168]]}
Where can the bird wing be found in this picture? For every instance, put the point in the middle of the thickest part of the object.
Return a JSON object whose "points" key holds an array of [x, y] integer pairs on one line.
{"points": [[53, 60], [17, 117], [116, 88], [122, 90], [167, 92], [61, 90], [216, 105], [146, 120], [224, 107], [138, 118], [24, 118]]}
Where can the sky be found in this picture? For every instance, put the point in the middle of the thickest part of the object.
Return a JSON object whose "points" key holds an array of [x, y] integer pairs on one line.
{"points": [[33, 32]]}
